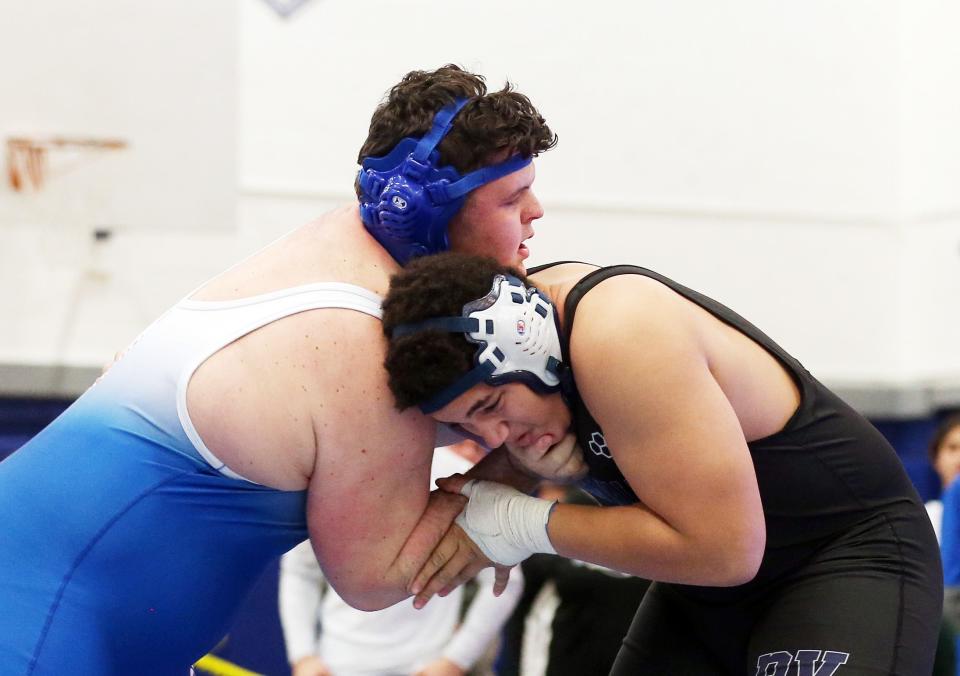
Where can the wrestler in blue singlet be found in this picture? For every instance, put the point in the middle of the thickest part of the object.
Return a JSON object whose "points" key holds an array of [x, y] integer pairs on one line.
{"points": [[125, 545]]}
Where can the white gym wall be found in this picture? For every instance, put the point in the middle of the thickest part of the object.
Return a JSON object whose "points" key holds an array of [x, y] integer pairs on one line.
{"points": [[797, 161]]}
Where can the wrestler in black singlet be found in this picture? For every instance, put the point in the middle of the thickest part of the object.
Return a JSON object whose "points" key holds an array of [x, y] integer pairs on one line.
{"points": [[850, 581]]}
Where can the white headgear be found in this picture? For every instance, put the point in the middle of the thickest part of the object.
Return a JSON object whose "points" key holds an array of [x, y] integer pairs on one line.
{"points": [[518, 340]]}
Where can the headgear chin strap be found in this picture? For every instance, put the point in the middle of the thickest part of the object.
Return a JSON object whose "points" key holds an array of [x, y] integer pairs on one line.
{"points": [[518, 340], [407, 199]]}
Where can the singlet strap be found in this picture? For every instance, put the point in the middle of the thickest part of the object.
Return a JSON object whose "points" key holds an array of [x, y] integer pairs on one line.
{"points": [[546, 266], [252, 313], [800, 374], [323, 294]]}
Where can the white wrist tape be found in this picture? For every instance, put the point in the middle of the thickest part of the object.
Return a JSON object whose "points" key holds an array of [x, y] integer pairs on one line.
{"points": [[507, 525]]}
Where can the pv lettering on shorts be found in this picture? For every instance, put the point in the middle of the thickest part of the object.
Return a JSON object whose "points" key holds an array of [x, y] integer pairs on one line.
{"points": [[809, 663]]}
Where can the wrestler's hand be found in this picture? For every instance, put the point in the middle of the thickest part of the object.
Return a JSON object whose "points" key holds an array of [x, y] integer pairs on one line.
{"points": [[442, 508], [561, 463], [455, 560]]}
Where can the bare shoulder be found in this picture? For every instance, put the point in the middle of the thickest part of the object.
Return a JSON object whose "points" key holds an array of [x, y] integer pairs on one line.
{"points": [[332, 248], [624, 308], [557, 281], [631, 331], [562, 273], [355, 403]]}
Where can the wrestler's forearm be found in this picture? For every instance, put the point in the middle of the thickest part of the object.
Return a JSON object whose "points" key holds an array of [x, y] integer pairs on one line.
{"points": [[436, 519], [371, 550], [635, 540], [434, 522], [374, 583]]}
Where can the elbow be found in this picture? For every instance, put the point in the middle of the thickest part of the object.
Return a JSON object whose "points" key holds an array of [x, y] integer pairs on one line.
{"points": [[368, 602], [366, 588], [738, 572], [368, 598], [370, 605], [740, 559]]}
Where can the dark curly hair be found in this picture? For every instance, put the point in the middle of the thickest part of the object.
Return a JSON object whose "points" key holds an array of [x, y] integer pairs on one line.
{"points": [[420, 365], [488, 125]]}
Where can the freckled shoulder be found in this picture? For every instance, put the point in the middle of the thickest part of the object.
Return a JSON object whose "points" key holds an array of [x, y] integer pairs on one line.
{"points": [[355, 404]]}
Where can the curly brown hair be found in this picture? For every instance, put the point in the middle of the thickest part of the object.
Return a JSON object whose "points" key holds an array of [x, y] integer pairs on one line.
{"points": [[421, 364], [486, 127]]}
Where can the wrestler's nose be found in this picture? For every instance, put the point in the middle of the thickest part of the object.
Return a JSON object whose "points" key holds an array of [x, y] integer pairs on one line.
{"points": [[493, 432]]}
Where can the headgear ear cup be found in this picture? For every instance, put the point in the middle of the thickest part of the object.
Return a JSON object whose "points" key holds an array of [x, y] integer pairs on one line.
{"points": [[517, 336], [407, 199]]}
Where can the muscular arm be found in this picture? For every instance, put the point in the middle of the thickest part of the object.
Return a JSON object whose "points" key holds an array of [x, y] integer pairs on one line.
{"points": [[370, 487], [675, 438]]}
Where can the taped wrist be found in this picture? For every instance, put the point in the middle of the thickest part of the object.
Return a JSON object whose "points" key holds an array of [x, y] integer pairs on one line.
{"points": [[507, 525]]}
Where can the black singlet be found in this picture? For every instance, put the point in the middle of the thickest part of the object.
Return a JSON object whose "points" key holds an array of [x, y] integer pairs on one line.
{"points": [[824, 472], [850, 583]]}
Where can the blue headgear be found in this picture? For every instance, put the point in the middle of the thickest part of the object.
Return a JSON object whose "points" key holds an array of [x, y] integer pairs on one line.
{"points": [[518, 340], [407, 199]]}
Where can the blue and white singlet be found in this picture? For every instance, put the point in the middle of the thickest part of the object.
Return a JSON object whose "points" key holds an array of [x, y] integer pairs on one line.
{"points": [[126, 546]]}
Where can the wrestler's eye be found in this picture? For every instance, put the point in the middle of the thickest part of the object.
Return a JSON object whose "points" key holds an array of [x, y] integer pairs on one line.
{"points": [[493, 406]]}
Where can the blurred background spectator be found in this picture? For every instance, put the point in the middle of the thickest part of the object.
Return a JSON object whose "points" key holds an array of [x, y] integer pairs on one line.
{"points": [[572, 615]]}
